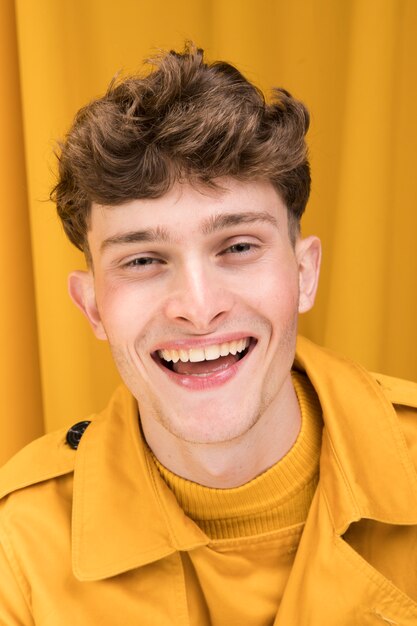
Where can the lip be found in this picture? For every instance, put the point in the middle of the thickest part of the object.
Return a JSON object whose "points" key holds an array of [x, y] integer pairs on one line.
{"points": [[212, 380]]}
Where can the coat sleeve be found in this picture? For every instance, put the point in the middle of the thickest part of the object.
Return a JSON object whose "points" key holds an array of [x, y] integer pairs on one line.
{"points": [[14, 606]]}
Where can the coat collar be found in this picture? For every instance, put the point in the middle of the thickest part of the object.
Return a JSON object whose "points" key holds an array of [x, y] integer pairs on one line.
{"points": [[124, 516], [365, 469]]}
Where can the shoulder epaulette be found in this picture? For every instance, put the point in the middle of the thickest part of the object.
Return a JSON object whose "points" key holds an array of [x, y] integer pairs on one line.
{"points": [[48, 457], [397, 390]]}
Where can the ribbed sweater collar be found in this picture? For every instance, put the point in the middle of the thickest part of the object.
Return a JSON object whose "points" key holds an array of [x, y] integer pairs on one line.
{"points": [[278, 498]]}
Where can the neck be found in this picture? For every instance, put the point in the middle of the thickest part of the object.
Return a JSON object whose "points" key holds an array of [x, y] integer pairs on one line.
{"points": [[232, 463]]}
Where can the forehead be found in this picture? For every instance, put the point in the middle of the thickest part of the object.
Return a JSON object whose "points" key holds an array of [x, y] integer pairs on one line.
{"points": [[187, 209]]}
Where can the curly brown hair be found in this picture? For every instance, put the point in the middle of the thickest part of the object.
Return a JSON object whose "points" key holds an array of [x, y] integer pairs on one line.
{"points": [[187, 120]]}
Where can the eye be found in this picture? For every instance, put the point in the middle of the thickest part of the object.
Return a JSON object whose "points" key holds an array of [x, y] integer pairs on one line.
{"points": [[241, 251], [239, 248], [142, 261]]}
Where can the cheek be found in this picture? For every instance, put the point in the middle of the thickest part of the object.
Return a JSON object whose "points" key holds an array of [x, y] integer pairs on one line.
{"points": [[122, 311], [278, 295]]}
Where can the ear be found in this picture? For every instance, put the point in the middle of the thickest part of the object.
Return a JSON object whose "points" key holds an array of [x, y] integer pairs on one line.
{"points": [[82, 292], [308, 254]]}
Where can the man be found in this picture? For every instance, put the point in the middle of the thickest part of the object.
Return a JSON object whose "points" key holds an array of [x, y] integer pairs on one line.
{"points": [[230, 481]]}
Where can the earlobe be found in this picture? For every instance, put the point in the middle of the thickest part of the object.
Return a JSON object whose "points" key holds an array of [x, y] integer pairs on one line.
{"points": [[308, 253], [82, 292]]}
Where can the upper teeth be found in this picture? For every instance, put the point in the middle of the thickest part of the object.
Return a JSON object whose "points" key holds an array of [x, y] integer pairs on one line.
{"points": [[208, 353]]}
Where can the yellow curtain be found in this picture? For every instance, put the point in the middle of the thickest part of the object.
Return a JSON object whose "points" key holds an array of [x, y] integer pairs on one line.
{"points": [[352, 61]]}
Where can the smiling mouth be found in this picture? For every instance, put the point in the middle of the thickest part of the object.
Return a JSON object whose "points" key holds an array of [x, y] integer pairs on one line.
{"points": [[204, 360]]}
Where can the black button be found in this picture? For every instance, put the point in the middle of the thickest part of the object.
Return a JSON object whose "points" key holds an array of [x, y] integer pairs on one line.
{"points": [[75, 433]]}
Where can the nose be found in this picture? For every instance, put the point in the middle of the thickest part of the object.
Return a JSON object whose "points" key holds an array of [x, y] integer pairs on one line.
{"points": [[199, 298]]}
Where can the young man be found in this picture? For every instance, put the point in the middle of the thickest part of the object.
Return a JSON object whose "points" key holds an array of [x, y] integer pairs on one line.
{"points": [[232, 480]]}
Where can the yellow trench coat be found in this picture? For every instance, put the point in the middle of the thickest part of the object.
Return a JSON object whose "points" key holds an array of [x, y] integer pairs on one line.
{"points": [[92, 536]]}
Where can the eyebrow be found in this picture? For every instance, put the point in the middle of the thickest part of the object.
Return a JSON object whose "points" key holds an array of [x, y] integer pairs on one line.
{"points": [[158, 234], [209, 226], [224, 220]]}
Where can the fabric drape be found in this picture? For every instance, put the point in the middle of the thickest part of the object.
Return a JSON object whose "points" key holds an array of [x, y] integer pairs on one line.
{"points": [[353, 62]]}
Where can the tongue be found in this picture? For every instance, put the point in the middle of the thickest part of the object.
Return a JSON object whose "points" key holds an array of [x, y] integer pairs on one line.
{"points": [[204, 367]]}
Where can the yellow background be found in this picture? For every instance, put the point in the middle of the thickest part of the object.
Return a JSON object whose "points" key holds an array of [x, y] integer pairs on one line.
{"points": [[352, 61]]}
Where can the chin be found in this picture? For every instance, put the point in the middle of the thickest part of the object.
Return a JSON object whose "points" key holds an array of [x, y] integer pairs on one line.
{"points": [[212, 429]]}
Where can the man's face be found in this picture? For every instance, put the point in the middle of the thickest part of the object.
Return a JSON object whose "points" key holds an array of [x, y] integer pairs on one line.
{"points": [[198, 294]]}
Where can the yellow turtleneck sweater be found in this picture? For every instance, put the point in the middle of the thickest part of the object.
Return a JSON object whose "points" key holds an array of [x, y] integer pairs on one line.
{"points": [[254, 529]]}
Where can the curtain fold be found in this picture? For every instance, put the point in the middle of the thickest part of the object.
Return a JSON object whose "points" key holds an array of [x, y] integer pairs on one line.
{"points": [[354, 64], [364, 201], [21, 418]]}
